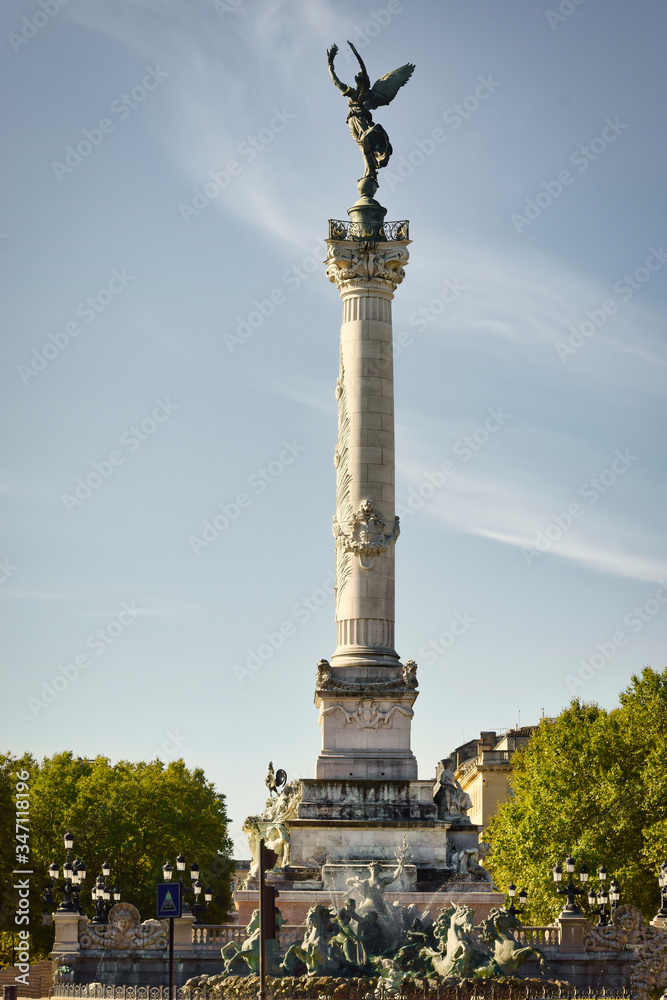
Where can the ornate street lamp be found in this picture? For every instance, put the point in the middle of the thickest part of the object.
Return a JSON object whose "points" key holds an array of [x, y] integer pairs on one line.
{"points": [[570, 909], [73, 876], [523, 899], [168, 871], [102, 894], [598, 901], [198, 907]]}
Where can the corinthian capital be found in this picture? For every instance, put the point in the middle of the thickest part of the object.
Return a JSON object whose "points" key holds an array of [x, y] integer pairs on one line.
{"points": [[378, 264]]}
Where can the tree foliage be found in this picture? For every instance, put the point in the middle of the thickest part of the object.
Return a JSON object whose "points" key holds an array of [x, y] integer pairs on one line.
{"points": [[593, 783], [136, 816]]}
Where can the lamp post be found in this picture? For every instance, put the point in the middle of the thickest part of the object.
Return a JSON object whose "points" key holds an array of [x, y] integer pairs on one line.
{"points": [[198, 907], [102, 894], [570, 909], [73, 876], [167, 872], [600, 899], [523, 899], [662, 882]]}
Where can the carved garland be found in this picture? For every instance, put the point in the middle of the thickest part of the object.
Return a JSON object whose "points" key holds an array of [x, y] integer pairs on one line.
{"points": [[406, 682]]}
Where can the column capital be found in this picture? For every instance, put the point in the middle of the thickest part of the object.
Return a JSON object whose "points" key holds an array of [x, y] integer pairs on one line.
{"points": [[356, 265]]}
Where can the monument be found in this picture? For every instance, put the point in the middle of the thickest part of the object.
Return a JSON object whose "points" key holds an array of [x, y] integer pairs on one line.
{"points": [[366, 807]]}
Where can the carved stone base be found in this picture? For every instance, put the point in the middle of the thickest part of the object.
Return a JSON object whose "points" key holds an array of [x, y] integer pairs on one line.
{"points": [[367, 763], [366, 733], [346, 841]]}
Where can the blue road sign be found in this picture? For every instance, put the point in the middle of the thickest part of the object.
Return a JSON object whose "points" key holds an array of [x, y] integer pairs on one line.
{"points": [[168, 899]]}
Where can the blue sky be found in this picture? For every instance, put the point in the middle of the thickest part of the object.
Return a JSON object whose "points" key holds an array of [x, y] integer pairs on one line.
{"points": [[178, 350]]}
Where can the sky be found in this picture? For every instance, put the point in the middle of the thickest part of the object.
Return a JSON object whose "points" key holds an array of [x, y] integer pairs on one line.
{"points": [[171, 352]]}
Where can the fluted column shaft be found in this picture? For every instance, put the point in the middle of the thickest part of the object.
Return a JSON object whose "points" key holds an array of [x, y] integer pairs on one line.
{"points": [[365, 526]]}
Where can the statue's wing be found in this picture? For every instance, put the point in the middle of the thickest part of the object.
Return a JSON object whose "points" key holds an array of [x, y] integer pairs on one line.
{"points": [[385, 89]]}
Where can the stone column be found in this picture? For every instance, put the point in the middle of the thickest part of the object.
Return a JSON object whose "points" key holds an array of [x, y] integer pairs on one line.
{"points": [[365, 694]]}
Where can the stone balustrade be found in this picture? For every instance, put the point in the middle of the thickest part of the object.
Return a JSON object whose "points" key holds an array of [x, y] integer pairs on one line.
{"points": [[216, 936]]}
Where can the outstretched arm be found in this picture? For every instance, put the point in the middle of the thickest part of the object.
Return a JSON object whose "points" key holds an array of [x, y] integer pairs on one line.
{"points": [[362, 65], [386, 880], [331, 55]]}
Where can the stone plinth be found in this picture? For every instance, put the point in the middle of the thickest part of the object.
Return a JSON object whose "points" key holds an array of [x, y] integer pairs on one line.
{"points": [[67, 934], [572, 930], [343, 840], [368, 800], [366, 735]]}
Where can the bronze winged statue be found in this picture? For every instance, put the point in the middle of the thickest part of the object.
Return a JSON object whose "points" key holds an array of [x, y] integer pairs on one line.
{"points": [[372, 138]]}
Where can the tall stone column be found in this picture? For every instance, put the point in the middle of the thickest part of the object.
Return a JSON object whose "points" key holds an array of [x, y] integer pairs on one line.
{"points": [[365, 694]]}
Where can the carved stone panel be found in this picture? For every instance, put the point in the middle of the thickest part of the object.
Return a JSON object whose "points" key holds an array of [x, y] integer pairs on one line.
{"points": [[368, 714]]}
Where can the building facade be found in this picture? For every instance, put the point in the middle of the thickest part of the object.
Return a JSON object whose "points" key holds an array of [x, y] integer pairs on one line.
{"points": [[483, 769]]}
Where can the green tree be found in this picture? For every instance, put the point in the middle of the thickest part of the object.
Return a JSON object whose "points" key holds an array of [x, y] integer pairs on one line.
{"points": [[593, 783], [136, 816]]}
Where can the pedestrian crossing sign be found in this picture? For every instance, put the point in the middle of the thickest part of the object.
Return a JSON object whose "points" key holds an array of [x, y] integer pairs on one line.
{"points": [[168, 900]]}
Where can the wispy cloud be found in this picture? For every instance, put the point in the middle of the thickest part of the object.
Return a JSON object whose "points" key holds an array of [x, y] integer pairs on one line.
{"points": [[506, 504]]}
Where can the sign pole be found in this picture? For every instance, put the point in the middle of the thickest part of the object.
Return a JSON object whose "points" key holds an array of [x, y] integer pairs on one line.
{"points": [[262, 930], [171, 958], [169, 906]]}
